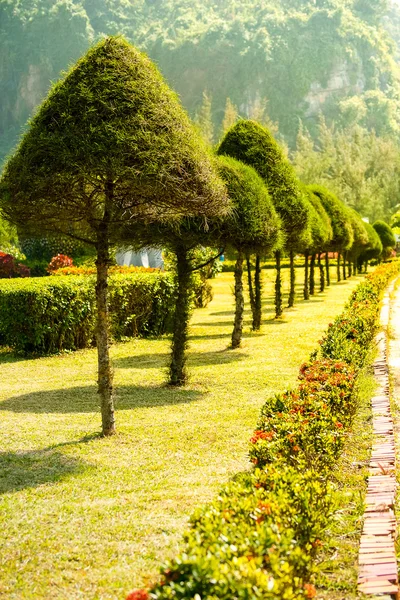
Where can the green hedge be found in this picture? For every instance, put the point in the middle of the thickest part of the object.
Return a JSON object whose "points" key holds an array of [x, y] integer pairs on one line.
{"points": [[50, 314], [260, 538]]}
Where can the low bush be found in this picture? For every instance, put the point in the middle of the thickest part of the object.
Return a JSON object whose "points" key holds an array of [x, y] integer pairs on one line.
{"points": [[59, 261], [51, 314], [9, 268], [259, 539], [85, 270]]}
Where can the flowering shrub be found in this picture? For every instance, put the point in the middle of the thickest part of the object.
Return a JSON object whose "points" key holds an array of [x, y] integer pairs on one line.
{"points": [[259, 538], [10, 268], [59, 261]]}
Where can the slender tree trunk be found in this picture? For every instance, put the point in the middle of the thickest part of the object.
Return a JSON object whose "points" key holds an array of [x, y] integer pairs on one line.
{"points": [[306, 292], [292, 291], [366, 267], [239, 302], [321, 274], [328, 275], [355, 267], [105, 372], [344, 265], [257, 295], [177, 370], [338, 267], [312, 275], [250, 284], [349, 266], [278, 286]]}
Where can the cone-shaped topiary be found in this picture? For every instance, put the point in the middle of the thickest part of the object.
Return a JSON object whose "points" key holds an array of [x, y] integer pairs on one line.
{"points": [[360, 241], [252, 227], [372, 250], [342, 238], [386, 236], [253, 144], [319, 236], [110, 144]]}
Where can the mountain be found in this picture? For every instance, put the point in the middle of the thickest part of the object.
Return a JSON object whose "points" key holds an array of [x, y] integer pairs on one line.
{"points": [[292, 59]]}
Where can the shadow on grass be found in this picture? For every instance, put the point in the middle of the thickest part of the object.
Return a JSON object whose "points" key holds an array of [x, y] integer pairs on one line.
{"points": [[20, 470], [157, 361], [85, 399]]}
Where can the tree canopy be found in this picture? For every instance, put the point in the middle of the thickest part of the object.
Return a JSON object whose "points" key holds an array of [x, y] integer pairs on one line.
{"points": [[254, 145], [385, 234], [111, 121], [343, 236]]}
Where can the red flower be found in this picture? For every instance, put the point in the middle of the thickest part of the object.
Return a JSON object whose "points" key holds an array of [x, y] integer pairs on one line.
{"points": [[138, 595], [339, 425]]}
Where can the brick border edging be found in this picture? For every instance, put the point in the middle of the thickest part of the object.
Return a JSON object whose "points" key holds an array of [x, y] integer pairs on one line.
{"points": [[377, 564]]}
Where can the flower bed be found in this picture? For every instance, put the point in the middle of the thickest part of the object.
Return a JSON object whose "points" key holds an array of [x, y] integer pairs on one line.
{"points": [[260, 537], [51, 314]]}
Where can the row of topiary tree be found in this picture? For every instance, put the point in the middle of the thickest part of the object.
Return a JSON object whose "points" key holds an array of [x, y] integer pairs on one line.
{"points": [[111, 158]]}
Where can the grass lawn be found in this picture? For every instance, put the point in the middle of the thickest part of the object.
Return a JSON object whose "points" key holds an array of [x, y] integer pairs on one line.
{"points": [[86, 517]]}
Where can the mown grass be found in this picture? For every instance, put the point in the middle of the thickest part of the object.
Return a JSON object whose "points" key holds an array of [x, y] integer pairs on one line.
{"points": [[86, 517]]}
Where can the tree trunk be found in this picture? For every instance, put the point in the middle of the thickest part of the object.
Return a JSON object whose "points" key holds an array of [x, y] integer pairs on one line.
{"points": [[366, 267], [239, 302], [321, 274], [278, 286], [105, 372], [328, 275], [306, 292], [355, 267], [250, 283], [338, 267], [292, 291], [312, 275], [257, 295], [349, 266], [177, 371], [344, 266]]}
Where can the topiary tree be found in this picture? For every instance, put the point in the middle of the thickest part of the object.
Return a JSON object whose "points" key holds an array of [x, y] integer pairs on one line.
{"points": [[386, 236], [253, 226], [360, 241], [320, 236], [109, 145], [254, 145], [372, 250], [342, 238]]}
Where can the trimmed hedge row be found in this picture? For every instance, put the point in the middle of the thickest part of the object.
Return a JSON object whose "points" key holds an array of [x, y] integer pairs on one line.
{"points": [[51, 314], [260, 537]]}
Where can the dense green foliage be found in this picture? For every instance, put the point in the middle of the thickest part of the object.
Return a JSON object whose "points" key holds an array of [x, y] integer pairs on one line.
{"points": [[47, 315], [361, 168], [320, 228], [111, 129], [254, 145], [373, 249], [300, 56], [343, 236], [266, 527], [386, 236], [253, 225]]}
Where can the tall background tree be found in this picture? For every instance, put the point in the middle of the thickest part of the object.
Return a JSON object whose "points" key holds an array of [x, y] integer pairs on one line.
{"points": [[110, 144]]}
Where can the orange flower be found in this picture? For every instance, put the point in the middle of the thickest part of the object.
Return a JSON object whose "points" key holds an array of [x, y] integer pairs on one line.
{"points": [[138, 595], [310, 590]]}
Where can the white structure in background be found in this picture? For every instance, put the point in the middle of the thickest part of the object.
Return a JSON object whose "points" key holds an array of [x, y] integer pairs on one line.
{"points": [[147, 257]]}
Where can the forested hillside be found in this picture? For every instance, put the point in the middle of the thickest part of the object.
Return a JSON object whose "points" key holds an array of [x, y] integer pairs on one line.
{"points": [[288, 59]]}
